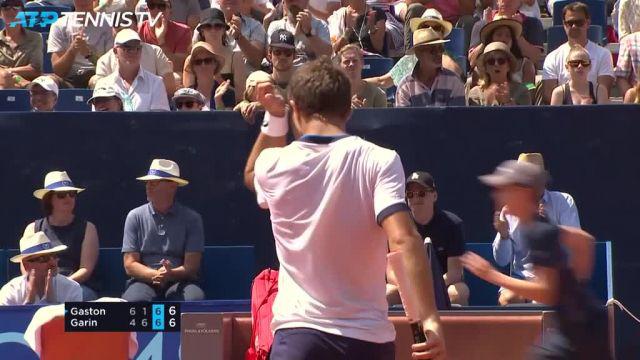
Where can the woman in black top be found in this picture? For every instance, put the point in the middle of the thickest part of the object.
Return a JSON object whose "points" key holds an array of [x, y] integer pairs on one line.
{"points": [[562, 259], [61, 225], [579, 90]]}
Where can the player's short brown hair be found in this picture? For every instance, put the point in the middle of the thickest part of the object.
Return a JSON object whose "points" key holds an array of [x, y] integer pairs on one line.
{"points": [[318, 87]]}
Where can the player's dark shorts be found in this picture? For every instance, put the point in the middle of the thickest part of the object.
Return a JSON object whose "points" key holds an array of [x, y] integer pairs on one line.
{"points": [[311, 344]]}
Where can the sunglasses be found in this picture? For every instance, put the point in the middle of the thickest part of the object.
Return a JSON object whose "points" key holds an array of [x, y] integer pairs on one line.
{"points": [[205, 61], [576, 63], [213, 26], [131, 48], [187, 104], [42, 259], [492, 61], [283, 52], [153, 6], [421, 193], [64, 194], [577, 23], [10, 7], [435, 50], [436, 27]]}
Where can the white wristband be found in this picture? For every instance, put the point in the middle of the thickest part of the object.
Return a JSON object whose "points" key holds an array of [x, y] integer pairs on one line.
{"points": [[275, 126]]}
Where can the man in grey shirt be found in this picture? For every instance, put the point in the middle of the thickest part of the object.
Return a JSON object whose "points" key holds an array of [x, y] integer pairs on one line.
{"points": [[163, 241], [74, 48]]}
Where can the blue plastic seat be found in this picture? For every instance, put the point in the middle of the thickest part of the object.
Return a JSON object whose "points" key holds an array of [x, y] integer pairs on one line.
{"points": [[455, 47], [376, 66], [597, 11], [74, 100], [14, 100], [556, 36], [47, 65]]}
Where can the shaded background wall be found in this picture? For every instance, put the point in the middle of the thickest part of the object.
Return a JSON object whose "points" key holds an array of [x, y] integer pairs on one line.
{"points": [[591, 152]]}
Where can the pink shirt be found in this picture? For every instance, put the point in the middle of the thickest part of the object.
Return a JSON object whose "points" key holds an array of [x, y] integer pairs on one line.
{"points": [[177, 39], [450, 9]]}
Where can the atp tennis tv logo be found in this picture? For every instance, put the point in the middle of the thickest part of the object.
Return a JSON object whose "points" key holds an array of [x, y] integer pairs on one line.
{"points": [[31, 19]]}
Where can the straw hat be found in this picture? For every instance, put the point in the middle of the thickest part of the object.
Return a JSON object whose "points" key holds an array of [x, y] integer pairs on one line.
{"points": [[431, 16], [532, 158], [497, 22], [203, 45], [423, 37], [56, 181], [497, 46], [36, 244], [162, 169]]}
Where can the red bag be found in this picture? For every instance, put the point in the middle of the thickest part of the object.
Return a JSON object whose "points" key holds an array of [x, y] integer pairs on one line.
{"points": [[263, 293]]}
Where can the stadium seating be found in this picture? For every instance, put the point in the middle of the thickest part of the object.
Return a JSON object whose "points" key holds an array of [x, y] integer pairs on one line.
{"points": [[455, 47], [556, 36], [376, 66], [47, 66], [74, 100], [596, 11], [14, 100]]}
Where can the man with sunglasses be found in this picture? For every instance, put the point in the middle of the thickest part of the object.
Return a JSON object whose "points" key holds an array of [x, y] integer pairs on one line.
{"points": [[139, 89], [429, 84], [41, 283], [173, 37], [282, 50], [576, 20], [445, 230], [20, 48], [152, 59], [188, 99], [75, 49]]}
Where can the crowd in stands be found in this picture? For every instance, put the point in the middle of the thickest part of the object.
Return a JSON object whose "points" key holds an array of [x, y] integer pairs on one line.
{"points": [[442, 53]]}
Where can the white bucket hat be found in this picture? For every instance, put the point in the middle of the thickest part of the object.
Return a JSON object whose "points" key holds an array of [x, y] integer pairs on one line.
{"points": [[56, 181], [162, 169], [36, 244]]}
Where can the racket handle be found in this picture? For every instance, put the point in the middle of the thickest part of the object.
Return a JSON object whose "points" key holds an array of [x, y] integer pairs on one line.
{"points": [[418, 334]]}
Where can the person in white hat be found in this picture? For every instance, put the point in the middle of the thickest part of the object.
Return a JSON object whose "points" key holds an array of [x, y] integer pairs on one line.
{"points": [[43, 92], [106, 99], [139, 89], [429, 84], [188, 99], [41, 284], [163, 241], [61, 225]]}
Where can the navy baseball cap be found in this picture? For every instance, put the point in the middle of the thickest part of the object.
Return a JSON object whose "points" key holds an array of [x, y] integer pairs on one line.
{"points": [[283, 39]]}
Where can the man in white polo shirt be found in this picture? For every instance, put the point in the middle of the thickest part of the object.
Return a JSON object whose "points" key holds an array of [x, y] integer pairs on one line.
{"points": [[139, 89], [337, 206]]}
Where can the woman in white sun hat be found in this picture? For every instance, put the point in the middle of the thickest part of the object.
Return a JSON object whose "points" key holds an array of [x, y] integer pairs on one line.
{"points": [[62, 226], [41, 283]]}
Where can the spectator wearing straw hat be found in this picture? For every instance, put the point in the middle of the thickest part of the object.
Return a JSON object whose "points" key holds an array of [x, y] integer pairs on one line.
{"points": [[42, 284], [163, 241], [43, 92], [105, 99], [202, 72], [62, 226], [505, 30], [497, 87], [187, 99], [139, 89], [429, 84], [510, 248]]}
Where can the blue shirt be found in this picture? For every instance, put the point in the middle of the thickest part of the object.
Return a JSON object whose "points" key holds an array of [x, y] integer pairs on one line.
{"points": [[163, 236], [559, 208]]}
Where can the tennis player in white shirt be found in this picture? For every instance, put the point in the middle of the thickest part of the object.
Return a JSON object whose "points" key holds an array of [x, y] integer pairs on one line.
{"points": [[337, 206]]}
